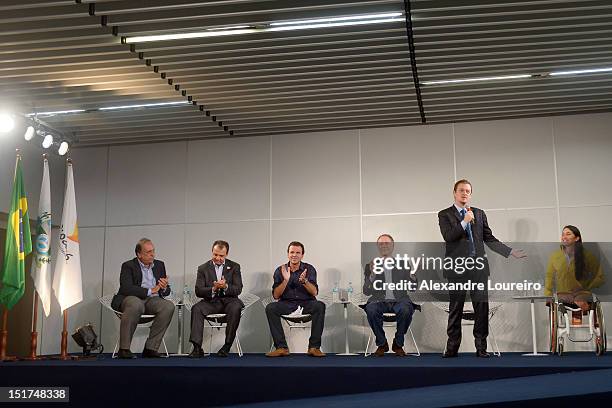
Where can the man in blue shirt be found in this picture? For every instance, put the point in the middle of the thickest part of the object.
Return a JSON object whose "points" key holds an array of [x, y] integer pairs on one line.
{"points": [[295, 285]]}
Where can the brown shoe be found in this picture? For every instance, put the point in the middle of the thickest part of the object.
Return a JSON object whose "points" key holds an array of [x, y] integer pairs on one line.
{"points": [[315, 352], [381, 350], [399, 351], [279, 352]]}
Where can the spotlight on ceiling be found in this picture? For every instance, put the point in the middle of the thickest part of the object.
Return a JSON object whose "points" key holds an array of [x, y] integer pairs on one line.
{"points": [[6, 122], [63, 148], [29, 133], [47, 141]]}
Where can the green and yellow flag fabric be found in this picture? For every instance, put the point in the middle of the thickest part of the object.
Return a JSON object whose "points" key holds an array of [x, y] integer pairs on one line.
{"points": [[18, 244]]}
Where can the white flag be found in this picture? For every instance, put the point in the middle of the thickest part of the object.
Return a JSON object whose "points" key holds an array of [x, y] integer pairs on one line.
{"points": [[41, 271], [67, 277]]}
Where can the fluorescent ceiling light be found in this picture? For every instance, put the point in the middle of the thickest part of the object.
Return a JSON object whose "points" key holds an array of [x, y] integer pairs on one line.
{"points": [[229, 28], [337, 19], [186, 36], [326, 25], [144, 105], [323, 22], [481, 79], [63, 112], [581, 71]]}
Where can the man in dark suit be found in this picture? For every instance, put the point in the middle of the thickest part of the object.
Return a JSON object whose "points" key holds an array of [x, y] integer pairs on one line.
{"points": [[143, 286], [219, 283], [465, 230], [384, 300]]}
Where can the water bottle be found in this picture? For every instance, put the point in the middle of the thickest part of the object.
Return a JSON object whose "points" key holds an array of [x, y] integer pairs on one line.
{"points": [[349, 291], [186, 294], [335, 293]]}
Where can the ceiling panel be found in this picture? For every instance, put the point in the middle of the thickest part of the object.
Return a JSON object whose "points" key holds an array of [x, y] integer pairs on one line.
{"points": [[63, 55]]}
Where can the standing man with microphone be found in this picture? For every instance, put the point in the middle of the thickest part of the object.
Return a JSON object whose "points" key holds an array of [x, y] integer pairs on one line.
{"points": [[465, 230]]}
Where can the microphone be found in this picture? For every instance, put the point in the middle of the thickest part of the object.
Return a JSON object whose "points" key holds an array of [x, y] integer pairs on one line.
{"points": [[470, 209]]}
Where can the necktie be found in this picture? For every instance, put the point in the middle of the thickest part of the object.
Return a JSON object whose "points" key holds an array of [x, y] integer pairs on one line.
{"points": [[468, 229]]}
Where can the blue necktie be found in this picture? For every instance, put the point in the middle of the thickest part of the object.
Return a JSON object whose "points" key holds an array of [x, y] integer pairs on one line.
{"points": [[468, 228]]}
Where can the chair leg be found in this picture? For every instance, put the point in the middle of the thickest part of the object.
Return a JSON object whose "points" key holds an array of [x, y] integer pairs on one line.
{"points": [[418, 353], [496, 351], [210, 341], [165, 348], [367, 349], [115, 349], [238, 347]]}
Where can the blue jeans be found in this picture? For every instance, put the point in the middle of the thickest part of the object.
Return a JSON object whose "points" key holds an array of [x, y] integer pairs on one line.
{"points": [[403, 310]]}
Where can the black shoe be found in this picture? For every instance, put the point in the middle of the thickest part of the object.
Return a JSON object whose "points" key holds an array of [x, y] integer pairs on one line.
{"points": [[223, 351], [125, 353], [381, 350], [197, 352], [398, 350], [450, 354], [482, 354], [148, 353]]}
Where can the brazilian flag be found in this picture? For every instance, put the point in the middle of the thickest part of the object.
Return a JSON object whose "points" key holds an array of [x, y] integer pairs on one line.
{"points": [[18, 244]]}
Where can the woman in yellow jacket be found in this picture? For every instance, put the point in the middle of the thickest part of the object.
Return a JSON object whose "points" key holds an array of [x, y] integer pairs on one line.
{"points": [[573, 270]]}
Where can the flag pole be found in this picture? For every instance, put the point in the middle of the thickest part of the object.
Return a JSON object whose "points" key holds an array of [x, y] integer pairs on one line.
{"points": [[64, 345], [4, 338], [34, 335], [4, 332]]}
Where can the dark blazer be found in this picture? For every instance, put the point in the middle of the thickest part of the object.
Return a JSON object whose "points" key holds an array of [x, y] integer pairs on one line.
{"points": [[378, 295], [207, 275], [457, 242], [131, 279]]}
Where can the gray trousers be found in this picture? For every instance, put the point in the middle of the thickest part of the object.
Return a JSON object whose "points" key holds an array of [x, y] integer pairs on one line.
{"points": [[133, 307]]}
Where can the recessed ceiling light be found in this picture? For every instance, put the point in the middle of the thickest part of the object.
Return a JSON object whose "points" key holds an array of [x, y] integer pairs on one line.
{"points": [[322, 22], [477, 79], [581, 71]]}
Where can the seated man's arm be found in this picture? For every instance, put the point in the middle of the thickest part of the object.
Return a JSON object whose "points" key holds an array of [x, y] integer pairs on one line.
{"points": [[311, 281], [235, 288], [126, 283], [201, 290], [163, 292], [280, 283], [368, 288]]}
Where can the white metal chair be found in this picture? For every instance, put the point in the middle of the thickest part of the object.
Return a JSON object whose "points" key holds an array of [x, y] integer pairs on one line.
{"points": [[389, 320], [219, 320], [467, 319], [145, 320], [294, 321]]}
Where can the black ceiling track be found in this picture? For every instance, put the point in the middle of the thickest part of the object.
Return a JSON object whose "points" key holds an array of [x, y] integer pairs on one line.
{"points": [[415, 74]]}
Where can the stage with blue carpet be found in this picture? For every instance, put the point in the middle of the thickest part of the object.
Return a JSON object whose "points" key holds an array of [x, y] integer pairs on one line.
{"points": [[338, 381]]}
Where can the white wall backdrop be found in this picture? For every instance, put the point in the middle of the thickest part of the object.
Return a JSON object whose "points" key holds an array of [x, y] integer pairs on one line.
{"points": [[333, 190]]}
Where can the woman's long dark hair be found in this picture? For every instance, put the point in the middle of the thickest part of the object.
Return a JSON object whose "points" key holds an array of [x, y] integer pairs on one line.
{"points": [[578, 253]]}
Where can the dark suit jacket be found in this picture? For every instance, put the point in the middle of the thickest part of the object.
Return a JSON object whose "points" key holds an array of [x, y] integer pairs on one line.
{"points": [[457, 241], [131, 279], [378, 295], [207, 275]]}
